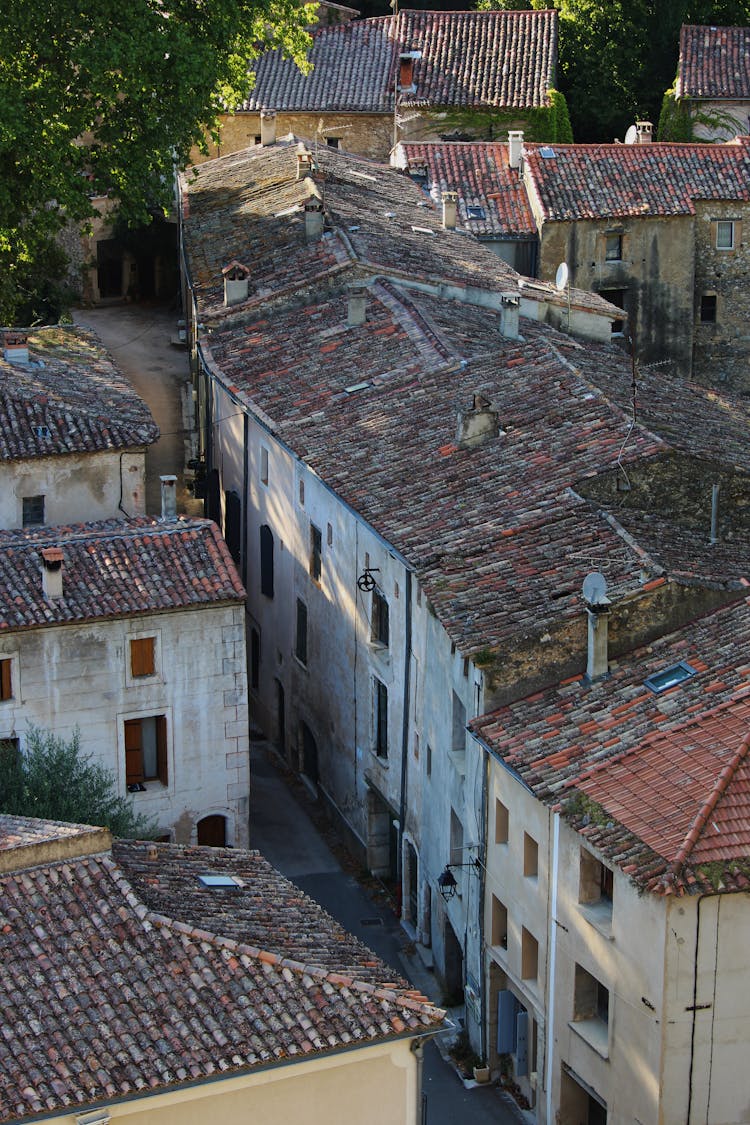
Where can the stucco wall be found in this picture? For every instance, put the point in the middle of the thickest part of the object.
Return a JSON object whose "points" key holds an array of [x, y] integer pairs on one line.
{"points": [[76, 488], [79, 676]]}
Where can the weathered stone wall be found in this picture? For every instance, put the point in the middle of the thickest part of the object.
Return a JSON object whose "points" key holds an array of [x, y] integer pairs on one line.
{"points": [[720, 120], [721, 348], [366, 134]]}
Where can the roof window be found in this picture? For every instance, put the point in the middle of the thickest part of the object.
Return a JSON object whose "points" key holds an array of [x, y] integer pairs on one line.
{"points": [[661, 681], [473, 212], [547, 152], [219, 881]]}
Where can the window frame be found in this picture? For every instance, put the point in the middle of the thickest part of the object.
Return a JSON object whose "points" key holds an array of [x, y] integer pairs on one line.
{"points": [[6, 679], [379, 619], [136, 779], [726, 223], [708, 305], [38, 499], [145, 646], [613, 237], [316, 553], [380, 719], [591, 1018]]}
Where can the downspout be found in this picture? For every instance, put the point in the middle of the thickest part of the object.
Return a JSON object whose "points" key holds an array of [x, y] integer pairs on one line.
{"points": [[405, 726], [552, 941], [245, 494], [695, 1001], [482, 888]]}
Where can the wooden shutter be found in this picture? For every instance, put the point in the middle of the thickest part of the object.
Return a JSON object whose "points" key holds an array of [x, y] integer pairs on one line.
{"points": [[161, 748], [133, 752], [266, 561], [6, 685], [522, 1044], [142, 661], [506, 1022]]}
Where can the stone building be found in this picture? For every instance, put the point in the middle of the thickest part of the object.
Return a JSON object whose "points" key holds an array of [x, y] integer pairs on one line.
{"points": [[661, 230], [713, 81], [411, 76], [132, 632], [617, 870], [420, 470], [150, 983]]}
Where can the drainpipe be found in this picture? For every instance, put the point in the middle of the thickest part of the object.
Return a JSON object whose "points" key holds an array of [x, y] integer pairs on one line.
{"points": [[482, 852], [701, 900], [550, 1015], [404, 728]]}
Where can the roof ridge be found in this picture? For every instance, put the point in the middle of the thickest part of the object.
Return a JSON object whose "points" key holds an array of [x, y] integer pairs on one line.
{"points": [[128, 526]]}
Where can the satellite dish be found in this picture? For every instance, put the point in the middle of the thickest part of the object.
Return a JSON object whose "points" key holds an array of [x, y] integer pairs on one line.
{"points": [[595, 588], [561, 277], [631, 136]]}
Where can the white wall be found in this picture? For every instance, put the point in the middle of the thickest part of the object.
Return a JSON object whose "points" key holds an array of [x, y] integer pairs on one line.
{"points": [[76, 488], [79, 676]]}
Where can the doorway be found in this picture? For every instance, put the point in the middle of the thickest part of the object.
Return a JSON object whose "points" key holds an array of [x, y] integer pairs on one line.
{"points": [[454, 963], [212, 831]]}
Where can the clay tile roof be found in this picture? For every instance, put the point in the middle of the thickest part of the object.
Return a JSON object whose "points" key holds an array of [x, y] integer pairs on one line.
{"points": [[106, 996], [668, 772], [115, 568], [612, 181], [69, 398], [500, 59], [480, 173], [714, 63]]}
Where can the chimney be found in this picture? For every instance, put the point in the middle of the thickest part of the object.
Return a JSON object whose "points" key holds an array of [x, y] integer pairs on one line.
{"points": [[356, 312], [268, 126], [304, 163], [52, 578], [644, 132], [477, 425], [236, 283], [515, 148], [509, 307], [406, 62], [15, 347], [314, 218], [450, 208], [168, 497], [597, 613]]}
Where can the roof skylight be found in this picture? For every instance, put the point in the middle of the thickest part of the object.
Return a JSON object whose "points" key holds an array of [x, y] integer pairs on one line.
{"points": [[219, 881], [669, 677]]}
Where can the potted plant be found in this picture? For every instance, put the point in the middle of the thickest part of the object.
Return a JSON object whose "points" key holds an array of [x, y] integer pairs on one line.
{"points": [[481, 1072]]}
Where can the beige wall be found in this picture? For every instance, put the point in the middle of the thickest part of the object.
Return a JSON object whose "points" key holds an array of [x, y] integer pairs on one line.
{"points": [[76, 488], [79, 676], [721, 350], [368, 1085]]}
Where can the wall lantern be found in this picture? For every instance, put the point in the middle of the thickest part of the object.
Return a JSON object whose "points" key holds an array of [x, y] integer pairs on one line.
{"points": [[447, 884]]}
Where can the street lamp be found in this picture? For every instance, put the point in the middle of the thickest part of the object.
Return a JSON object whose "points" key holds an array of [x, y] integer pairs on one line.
{"points": [[447, 884]]}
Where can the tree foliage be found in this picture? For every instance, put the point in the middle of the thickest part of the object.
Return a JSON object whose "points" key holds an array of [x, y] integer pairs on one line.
{"points": [[54, 780], [101, 96]]}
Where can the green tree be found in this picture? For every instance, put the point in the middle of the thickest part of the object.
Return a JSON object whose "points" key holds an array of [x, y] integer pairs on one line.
{"points": [[52, 779], [101, 96]]}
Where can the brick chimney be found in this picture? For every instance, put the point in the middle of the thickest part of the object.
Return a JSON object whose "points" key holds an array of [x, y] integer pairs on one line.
{"points": [[450, 209], [356, 312], [236, 282], [268, 126], [644, 131], [515, 148], [15, 347], [52, 573], [168, 497], [509, 312]]}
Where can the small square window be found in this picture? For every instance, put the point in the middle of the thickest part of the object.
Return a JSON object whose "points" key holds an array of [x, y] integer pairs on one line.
{"points": [[501, 823], [708, 308], [333, 142], [142, 656], [33, 511], [725, 235], [258, 139], [6, 680], [613, 247]]}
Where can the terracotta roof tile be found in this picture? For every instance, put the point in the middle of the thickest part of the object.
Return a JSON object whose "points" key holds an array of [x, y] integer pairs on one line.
{"points": [[612, 181], [69, 398], [127, 1001], [115, 568], [477, 59], [714, 62]]}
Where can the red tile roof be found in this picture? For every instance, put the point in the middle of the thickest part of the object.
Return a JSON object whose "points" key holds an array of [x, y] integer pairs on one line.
{"points": [[612, 181], [107, 997], [500, 59], [115, 568], [69, 398], [668, 772], [480, 173], [714, 63]]}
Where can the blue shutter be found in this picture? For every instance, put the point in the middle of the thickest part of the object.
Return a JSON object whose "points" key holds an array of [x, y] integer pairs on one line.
{"points": [[506, 1022], [522, 1043]]}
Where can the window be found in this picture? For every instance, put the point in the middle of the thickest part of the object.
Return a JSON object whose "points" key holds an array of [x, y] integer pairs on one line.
{"points": [[530, 856], [661, 681], [316, 548], [302, 494], [33, 511], [529, 955], [381, 718], [329, 534], [233, 523], [379, 628], [591, 1001], [258, 139], [473, 211], [266, 561], [708, 308], [458, 737], [300, 645], [595, 891], [613, 247], [457, 839], [501, 823], [499, 923], [263, 465], [6, 681], [142, 656], [725, 234], [615, 297], [428, 760], [333, 142], [145, 751]]}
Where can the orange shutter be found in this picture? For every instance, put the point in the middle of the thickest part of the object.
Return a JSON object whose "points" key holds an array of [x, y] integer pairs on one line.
{"points": [[133, 752], [142, 656], [6, 686]]}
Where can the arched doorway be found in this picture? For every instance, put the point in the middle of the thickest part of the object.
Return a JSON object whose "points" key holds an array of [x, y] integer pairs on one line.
{"points": [[212, 831]]}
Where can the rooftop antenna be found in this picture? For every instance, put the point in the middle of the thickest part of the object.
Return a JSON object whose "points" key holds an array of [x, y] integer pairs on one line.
{"points": [[562, 284], [595, 589]]}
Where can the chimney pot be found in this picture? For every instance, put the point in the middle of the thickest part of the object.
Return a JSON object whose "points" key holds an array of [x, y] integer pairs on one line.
{"points": [[406, 71], [236, 282], [268, 126], [356, 307], [168, 497], [597, 665], [509, 311], [314, 218], [304, 164], [52, 576], [450, 209], [515, 148], [644, 132], [15, 347]]}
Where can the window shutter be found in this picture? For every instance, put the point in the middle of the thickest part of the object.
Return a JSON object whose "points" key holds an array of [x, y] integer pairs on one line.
{"points": [[213, 495], [266, 561], [142, 656], [233, 524], [133, 752], [6, 685], [522, 1044], [506, 1022], [161, 748]]}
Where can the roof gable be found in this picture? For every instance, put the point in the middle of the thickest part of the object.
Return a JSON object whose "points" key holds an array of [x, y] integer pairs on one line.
{"points": [[714, 63]]}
